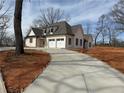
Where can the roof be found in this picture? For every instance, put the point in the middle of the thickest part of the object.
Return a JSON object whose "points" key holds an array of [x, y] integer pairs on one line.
{"points": [[88, 36], [37, 31], [76, 27], [61, 28]]}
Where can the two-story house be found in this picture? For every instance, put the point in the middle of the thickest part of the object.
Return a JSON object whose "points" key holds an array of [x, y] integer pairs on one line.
{"points": [[58, 35]]}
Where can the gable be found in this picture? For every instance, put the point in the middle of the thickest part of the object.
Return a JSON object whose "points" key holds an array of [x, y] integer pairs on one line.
{"points": [[88, 37], [78, 30], [31, 33]]}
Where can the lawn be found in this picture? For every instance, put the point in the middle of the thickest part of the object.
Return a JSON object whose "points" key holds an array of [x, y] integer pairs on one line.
{"points": [[110, 55], [20, 71]]}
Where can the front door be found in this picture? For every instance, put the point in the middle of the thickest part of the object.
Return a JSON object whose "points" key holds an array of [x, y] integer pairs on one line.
{"points": [[41, 42]]}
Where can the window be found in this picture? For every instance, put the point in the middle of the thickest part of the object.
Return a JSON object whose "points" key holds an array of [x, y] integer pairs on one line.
{"points": [[51, 39], [69, 41], [76, 41], [80, 42], [61, 39], [90, 44], [52, 30], [58, 39], [45, 31], [31, 40]]}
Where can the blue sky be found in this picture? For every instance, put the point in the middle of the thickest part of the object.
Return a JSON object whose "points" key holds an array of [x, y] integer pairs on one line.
{"points": [[80, 11]]}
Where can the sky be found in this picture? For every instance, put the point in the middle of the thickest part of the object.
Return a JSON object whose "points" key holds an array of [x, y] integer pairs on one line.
{"points": [[80, 11]]}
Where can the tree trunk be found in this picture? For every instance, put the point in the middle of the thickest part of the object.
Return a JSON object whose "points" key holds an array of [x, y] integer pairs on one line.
{"points": [[110, 37], [17, 27], [103, 40], [97, 37]]}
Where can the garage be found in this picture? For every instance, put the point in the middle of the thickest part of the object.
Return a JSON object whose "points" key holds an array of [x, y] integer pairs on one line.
{"points": [[52, 43], [60, 43], [56, 43]]}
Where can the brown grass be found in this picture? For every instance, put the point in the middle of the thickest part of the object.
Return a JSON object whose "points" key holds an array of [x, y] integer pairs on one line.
{"points": [[110, 55], [20, 71]]}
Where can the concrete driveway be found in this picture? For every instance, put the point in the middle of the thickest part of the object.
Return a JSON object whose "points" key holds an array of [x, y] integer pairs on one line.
{"points": [[2, 86], [6, 48], [72, 72]]}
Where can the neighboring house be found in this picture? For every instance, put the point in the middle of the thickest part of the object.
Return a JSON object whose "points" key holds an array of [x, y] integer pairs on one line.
{"points": [[58, 35]]}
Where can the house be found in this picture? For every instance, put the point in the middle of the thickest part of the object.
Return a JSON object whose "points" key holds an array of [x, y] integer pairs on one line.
{"points": [[58, 35], [87, 41]]}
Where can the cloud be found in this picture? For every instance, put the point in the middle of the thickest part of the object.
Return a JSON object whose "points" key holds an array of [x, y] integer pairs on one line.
{"points": [[79, 10], [93, 9]]}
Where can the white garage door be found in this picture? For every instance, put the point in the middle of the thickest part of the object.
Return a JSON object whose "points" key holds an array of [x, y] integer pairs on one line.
{"points": [[52, 43], [60, 43]]}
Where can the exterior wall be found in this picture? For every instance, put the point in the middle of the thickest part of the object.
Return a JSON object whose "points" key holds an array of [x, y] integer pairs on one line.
{"points": [[89, 41], [40, 42], [28, 44], [89, 44], [67, 41], [78, 35], [31, 33], [86, 45], [55, 37]]}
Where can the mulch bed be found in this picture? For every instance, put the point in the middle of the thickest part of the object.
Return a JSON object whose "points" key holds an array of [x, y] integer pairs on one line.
{"points": [[20, 71]]}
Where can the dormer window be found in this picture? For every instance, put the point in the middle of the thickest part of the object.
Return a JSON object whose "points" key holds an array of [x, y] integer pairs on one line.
{"points": [[51, 31], [44, 31]]}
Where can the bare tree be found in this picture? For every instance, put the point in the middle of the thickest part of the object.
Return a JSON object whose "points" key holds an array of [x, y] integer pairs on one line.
{"points": [[4, 20], [17, 27], [3, 27], [118, 14], [2, 5], [118, 18], [9, 40], [110, 26], [107, 28], [49, 16], [100, 28], [88, 28]]}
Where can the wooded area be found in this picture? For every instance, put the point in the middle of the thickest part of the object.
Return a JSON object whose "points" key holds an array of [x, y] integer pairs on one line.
{"points": [[111, 25]]}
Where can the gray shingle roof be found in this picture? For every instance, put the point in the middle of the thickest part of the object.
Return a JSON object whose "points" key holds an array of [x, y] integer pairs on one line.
{"points": [[37, 31], [88, 36], [75, 28], [62, 28]]}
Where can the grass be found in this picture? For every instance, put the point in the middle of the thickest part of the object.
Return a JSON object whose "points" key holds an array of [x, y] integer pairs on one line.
{"points": [[20, 71], [110, 55]]}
